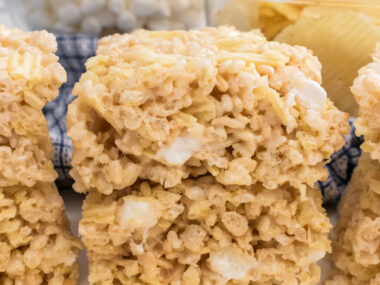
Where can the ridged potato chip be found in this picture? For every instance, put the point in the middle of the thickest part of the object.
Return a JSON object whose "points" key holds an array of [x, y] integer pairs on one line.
{"points": [[343, 42], [274, 17], [240, 13]]}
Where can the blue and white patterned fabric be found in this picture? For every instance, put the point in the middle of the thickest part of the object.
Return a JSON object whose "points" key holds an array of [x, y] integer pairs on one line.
{"points": [[340, 167], [74, 51]]}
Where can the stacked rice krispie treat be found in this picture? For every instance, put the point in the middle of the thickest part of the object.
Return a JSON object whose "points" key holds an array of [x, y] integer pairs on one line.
{"points": [[366, 89], [199, 151], [36, 246], [356, 238]]}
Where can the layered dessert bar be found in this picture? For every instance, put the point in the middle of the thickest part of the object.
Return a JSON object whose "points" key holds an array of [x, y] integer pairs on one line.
{"points": [[366, 89], [201, 232], [166, 106], [356, 238], [30, 76], [36, 246]]}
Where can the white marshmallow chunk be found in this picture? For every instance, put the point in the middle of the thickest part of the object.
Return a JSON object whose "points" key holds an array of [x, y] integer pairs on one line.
{"points": [[194, 19], [162, 9], [139, 212], [126, 22], [310, 94], [231, 264], [116, 6], [90, 7], [179, 6], [373, 66], [159, 24], [91, 26], [40, 20], [143, 8], [63, 28], [37, 4], [106, 19], [180, 151], [69, 14]]}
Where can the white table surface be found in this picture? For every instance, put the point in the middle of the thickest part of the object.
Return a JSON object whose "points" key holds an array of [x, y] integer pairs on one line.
{"points": [[73, 201]]}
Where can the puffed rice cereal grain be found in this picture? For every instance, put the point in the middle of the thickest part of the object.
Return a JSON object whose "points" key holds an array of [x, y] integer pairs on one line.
{"points": [[30, 76], [36, 246], [366, 89], [356, 238], [201, 232], [165, 106]]}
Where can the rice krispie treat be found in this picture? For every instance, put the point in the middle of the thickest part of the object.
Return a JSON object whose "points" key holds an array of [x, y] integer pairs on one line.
{"points": [[164, 106], [201, 232], [366, 89], [36, 246], [356, 238], [30, 76]]}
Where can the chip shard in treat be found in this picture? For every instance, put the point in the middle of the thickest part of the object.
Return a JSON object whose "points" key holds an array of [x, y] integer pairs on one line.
{"points": [[30, 76], [366, 89], [201, 232], [165, 106], [36, 246], [356, 237]]}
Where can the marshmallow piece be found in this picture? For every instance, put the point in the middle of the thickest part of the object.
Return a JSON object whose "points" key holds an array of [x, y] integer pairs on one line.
{"points": [[179, 6], [198, 4], [162, 9], [62, 28], [159, 24], [40, 20], [37, 4], [143, 8], [310, 94], [126, 22], [139, 212], [230, 263], [373, 66], [116, 6], [69, 14], [91, 26], [90, 7], [106, 19], [194, 19], [55, 4], [180, 151]]}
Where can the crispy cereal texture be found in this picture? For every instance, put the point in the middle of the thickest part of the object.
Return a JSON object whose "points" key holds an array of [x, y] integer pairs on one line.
{"points": [[366, 89], [36, 246], [30, 76], [200, 232], [356, 238], [164, 106]]}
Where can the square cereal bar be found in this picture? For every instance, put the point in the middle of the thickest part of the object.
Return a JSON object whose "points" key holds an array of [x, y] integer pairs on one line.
{"points": [[36, 246], [366, 89], [201, 232], [165, 106], [356, 238], [30, 76]]}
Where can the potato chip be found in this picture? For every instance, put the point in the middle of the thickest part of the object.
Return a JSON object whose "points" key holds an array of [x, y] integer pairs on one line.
{"points": [[240, 13], [343, 42], [274, 17]]}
